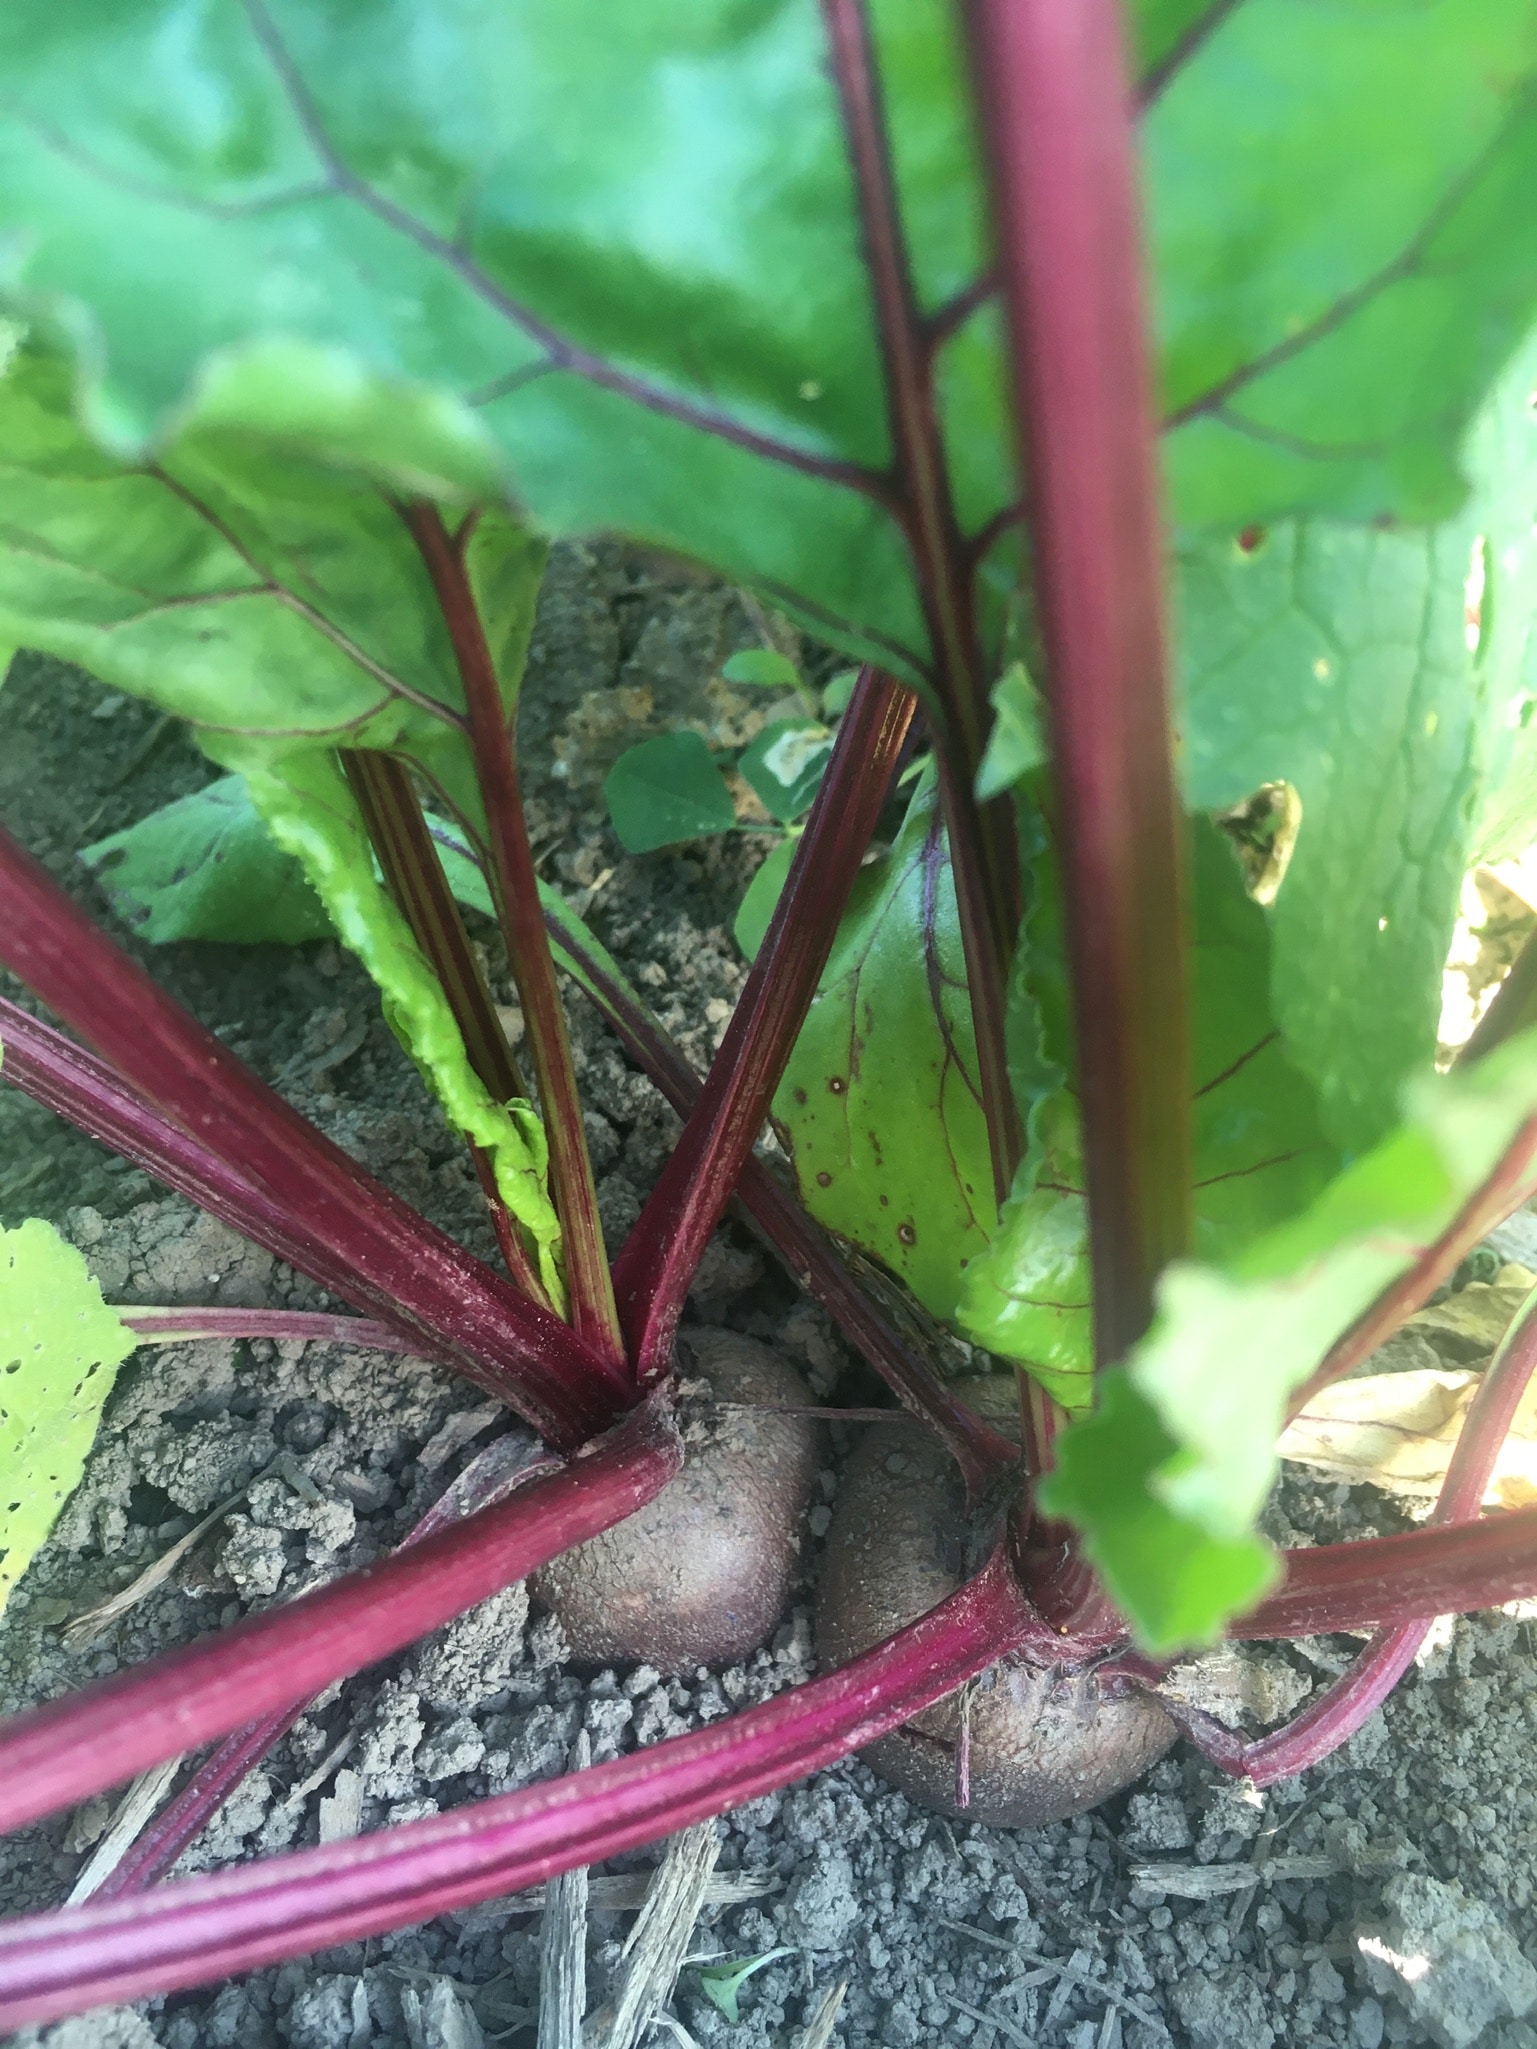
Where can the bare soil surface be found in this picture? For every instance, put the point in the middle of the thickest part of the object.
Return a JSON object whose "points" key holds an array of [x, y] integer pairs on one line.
{"points": [[1385, 1897]]}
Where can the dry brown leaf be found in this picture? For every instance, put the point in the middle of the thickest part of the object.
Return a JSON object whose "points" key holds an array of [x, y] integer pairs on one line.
{"points": [[1397, 1430], [1467, 1326]]}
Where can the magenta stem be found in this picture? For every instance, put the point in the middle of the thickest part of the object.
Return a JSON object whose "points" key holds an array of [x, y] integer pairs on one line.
{"points": [[466, 1314], [515, 889], [201, 1929], [69, 1749], [73, 1083], [152, 1854], [656, 1267], [981, 1452], [172, 1326], [1381, 1581], [983, 849], [1057, 117]]}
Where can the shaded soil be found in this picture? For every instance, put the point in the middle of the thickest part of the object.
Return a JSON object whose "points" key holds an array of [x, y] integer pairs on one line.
{"points": [[1189, 1911]]}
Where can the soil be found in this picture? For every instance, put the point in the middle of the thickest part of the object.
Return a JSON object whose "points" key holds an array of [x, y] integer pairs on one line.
{"points": [[1387, 1896]]}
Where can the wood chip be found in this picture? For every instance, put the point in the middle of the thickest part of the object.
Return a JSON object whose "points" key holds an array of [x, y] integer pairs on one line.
{"points": [[626, 1891], [135, 1811], [563, 1945], [318, 1777], [341, 1813], [819, 2029], [1208, 1881], [1072, 1971], [84, 1629], [994, 2020], [659, 1940]]}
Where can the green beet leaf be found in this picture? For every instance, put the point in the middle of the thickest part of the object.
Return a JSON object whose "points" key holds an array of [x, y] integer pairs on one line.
{"points": [[60, 1347], [206, 867], [1259, 1154], [1166, 1477], [784, 765], [1380, 673], [880, 1097], [277, 602], [758, 905], [614, 261], [665, 791], [246, 585]]}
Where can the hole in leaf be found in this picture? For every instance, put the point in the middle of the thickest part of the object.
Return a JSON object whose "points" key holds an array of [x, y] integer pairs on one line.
{"points": [[1263, 830]]}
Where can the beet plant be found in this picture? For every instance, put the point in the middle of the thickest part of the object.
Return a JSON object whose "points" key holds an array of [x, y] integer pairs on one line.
{"points": [[323, 320]]}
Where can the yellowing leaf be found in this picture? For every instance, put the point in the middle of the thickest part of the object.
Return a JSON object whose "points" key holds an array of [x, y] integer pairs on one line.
{"points": [[304, 798], [60, 1346]]}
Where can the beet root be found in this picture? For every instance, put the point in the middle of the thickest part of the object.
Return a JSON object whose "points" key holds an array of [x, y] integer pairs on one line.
{"points": [[702, 1574], [1043, 1744]]}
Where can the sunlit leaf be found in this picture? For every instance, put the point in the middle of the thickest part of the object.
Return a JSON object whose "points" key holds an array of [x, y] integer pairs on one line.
{"points": [[1166, 1477], [60, 1347], [304, 798], [1259, 1154], [1380, 674]]}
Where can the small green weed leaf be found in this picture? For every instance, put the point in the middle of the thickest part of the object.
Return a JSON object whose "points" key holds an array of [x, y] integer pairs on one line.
{"points": [[666, 790], [757, 906], [307, 805], [206, 867], [1017, 743], [764, 666], [60, 1347], [720, 1983], [784, 765], [1166, 1477], [880, 1096], [838, 691], [1259, 1154]]}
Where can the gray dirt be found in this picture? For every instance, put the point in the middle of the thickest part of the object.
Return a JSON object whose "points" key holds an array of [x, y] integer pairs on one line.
{"points": [[1385, 1897]]}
